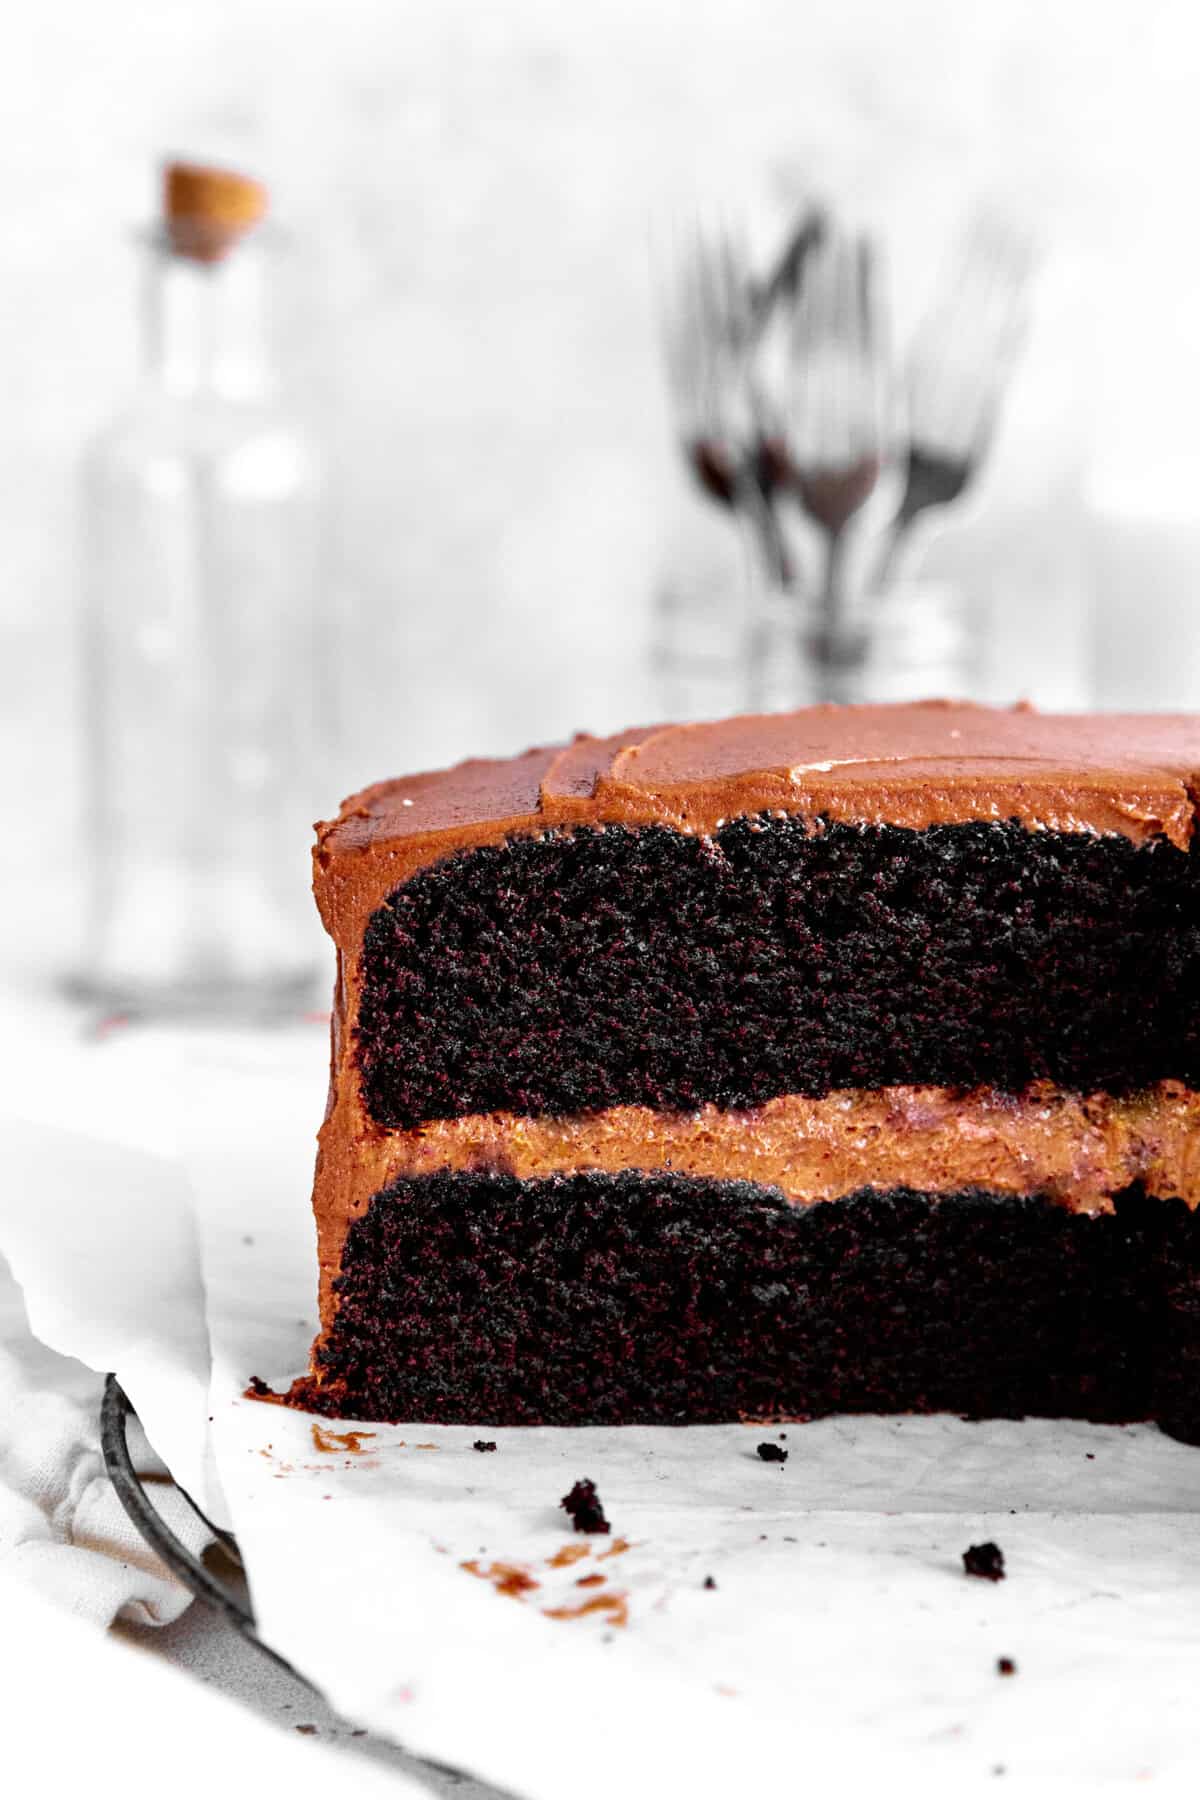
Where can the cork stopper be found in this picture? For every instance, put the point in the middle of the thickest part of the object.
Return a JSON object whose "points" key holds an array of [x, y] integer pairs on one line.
{"points": [[207, 211]]}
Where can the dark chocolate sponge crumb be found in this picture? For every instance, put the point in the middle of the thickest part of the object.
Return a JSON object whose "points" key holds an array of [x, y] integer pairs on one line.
{"points": [[595, 968], [583, 1507], [483, 1300], [709, 1583], [984, 1560], [483, 1444], [772, 1453], [1005, 1665]]}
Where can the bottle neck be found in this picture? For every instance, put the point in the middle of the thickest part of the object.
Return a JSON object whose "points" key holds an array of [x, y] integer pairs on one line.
{"points": [[206, 324]]}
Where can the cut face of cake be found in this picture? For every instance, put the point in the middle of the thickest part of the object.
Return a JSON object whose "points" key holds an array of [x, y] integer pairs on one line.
{"points": [[841, 1060]]}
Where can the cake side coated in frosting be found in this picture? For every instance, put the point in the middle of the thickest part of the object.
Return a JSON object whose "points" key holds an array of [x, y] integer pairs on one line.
{"points": [[914, 767]]}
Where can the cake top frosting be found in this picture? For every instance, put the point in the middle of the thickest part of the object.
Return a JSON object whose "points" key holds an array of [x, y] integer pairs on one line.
{"points": [[938, 762]]}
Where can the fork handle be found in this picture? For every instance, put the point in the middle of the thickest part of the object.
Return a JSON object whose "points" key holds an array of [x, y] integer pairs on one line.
{"points": [[758, 503], [895, 541], [833, 588], [835, 656]]}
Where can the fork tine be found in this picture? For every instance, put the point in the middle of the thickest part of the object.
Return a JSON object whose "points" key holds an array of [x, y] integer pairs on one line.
{"points": [[853, 350], [866, 292], [963, 347], [704, 310], [1005, 266], [838, 353]]}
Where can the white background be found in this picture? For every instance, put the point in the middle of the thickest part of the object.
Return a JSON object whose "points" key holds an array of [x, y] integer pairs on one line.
{"points": [[473, 189]]}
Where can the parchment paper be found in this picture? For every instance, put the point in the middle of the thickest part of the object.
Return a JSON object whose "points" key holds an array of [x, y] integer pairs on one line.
{"points": [[436, 1592]]}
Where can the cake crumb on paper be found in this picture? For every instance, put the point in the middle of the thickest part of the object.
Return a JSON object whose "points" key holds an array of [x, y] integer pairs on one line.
{"points": [[986, 1561], [330, 1443], [510, 1579], [613, 1608], [568, 1554], [583, 1506]]}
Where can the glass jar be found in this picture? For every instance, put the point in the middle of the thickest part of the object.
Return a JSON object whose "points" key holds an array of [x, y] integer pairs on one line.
{"points": [[706, 602], [202, 556]]}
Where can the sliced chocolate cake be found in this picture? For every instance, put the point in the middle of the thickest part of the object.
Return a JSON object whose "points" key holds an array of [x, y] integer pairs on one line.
{"points": [[846, 1059]]}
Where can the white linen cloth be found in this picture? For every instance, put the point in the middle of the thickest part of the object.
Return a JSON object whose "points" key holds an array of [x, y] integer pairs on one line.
{"points": [[89, 1715], [117, 1195], [62, 1527]]}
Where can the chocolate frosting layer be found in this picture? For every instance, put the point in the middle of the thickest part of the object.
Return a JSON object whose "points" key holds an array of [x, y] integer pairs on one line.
{"points": [[1079, 1148], [940, 762]]}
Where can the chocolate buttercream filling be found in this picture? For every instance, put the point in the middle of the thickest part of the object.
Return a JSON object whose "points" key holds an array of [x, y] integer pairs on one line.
{"points": [[1080, 1149]]}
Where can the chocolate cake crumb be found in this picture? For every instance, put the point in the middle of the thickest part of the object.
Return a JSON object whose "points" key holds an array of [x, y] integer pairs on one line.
{"points": [[583, 1506], [984, 1560], [709, 1583], [1005, 1665], [258, 1387], [772, 1453], [483, 1444]]}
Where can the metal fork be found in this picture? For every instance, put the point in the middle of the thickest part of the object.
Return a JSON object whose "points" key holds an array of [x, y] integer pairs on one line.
{"points": [[707, 317], [957, 368], [714, 315], [839, 429]]}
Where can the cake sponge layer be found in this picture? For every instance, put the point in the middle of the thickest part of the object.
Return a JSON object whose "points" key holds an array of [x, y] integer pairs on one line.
{"points": [[582, 970], [609, 1299]]}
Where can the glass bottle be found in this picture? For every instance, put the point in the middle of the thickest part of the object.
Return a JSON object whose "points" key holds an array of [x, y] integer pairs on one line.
{"points": [[203, 504]]}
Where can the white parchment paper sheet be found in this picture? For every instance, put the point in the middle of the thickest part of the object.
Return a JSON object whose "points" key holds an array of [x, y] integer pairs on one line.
{"points": [[841, 1641], [102, 1238]]}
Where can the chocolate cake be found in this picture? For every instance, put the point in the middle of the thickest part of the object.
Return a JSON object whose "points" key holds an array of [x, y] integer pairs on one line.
{"points": [[846, 1059]]}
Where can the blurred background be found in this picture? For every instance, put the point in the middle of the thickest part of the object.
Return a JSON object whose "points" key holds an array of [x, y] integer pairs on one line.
{"points": [[494, 225]]}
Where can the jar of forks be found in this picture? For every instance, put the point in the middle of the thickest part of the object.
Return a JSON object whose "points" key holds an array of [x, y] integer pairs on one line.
{"points": [[827, 460]]}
